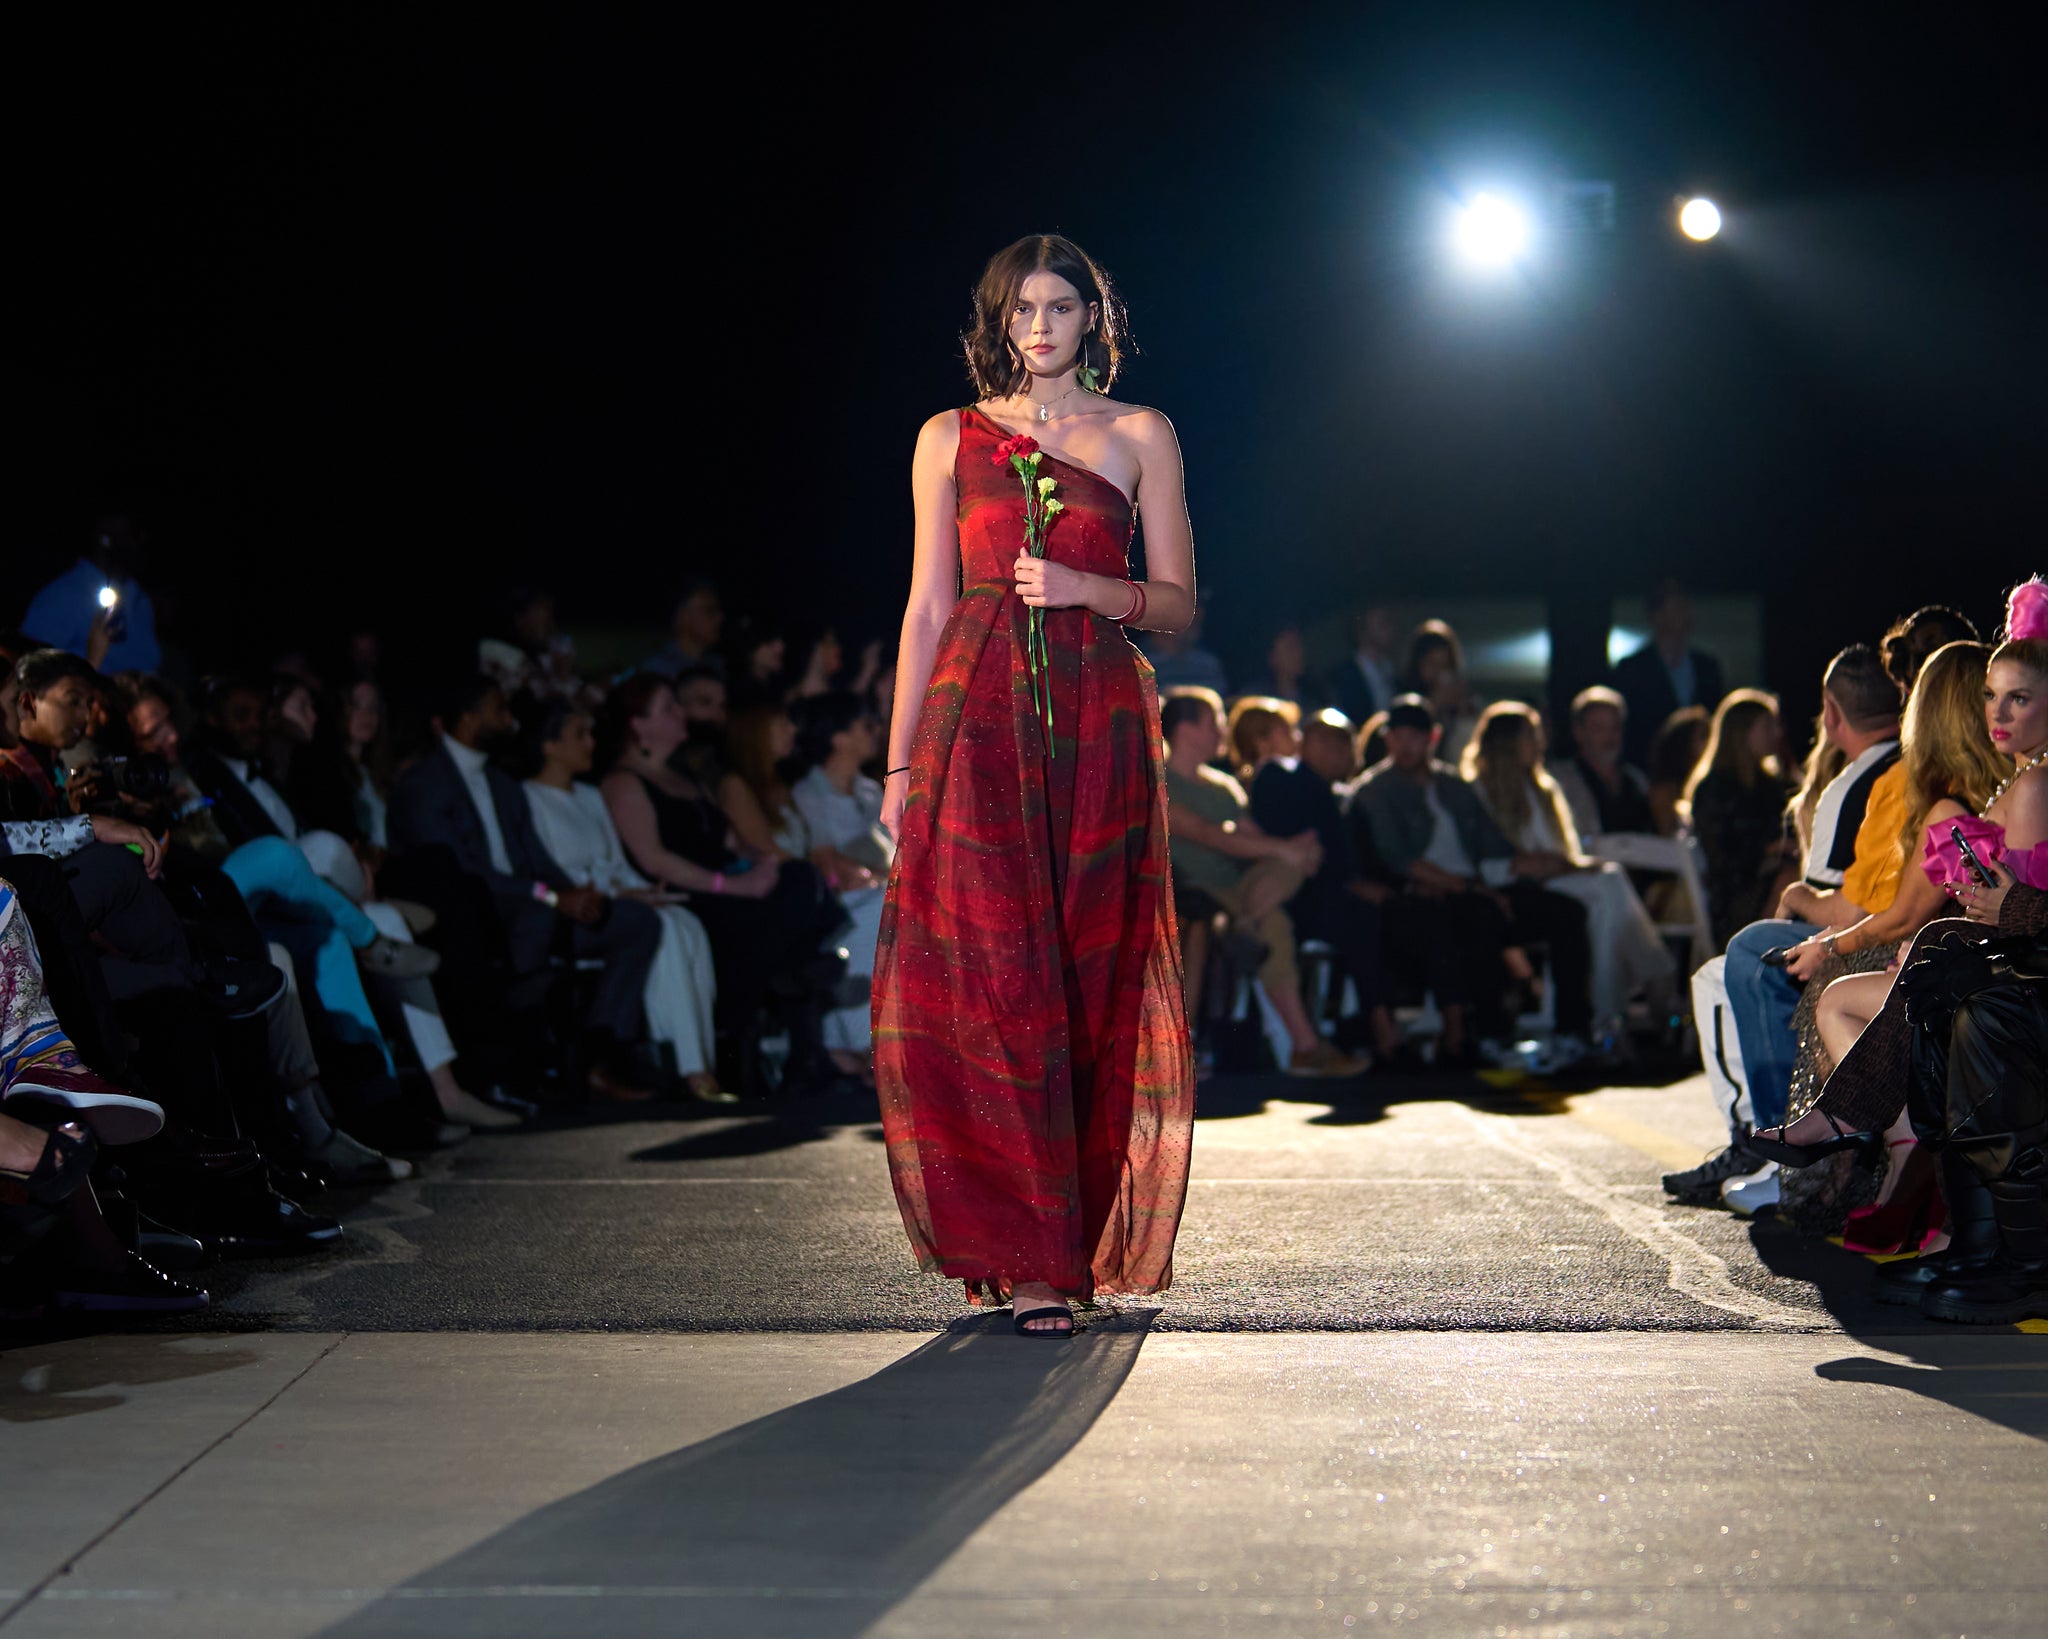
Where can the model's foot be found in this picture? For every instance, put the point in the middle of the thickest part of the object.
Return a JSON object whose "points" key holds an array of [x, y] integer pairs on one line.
{"points": [[1035, 1294]]}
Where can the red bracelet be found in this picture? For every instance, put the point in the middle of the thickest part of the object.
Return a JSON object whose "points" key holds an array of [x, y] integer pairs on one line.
{"points": [[1140, 590], [1137, 601]]}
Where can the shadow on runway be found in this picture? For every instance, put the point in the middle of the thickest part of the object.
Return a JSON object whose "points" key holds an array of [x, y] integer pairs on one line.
{"points": [[1992, 1372], [813, 1521], [35, 1388]]}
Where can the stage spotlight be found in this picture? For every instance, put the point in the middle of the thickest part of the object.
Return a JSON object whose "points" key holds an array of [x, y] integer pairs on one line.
{"points": [[1700, 219], [1492, 231]]}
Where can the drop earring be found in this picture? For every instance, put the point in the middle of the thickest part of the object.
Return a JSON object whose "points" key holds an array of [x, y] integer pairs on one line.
{"points": [[1089, 378]]}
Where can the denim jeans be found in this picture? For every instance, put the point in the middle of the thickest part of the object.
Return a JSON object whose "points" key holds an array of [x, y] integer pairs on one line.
{"points": [[278, 883], [1762, 1001]]}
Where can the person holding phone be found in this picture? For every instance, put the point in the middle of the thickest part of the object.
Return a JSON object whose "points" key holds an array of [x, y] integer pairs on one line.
{"points": [[98, 608]]}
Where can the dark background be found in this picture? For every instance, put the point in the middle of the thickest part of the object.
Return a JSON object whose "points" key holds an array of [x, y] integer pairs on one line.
{"points": [[370, 314]]}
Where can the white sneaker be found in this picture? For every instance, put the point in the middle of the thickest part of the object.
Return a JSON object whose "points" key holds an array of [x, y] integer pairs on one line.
{"points": [[1756, 1192]]}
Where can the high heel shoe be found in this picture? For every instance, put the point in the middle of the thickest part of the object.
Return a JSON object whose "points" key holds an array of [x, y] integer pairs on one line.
{"points": [[29, 1200], [1900, 1223], [1787, 1154]]}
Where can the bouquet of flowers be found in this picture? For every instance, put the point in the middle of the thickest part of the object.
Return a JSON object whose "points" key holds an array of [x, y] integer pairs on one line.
{"points": [[1021, 455]]}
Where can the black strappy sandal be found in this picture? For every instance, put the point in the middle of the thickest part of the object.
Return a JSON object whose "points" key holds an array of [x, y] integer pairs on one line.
{"points": [[1787, 1154], [29, 1200], [1020, 1321]]}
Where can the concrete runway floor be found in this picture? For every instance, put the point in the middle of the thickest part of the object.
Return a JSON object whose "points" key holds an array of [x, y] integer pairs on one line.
{"points": [[1436, 1360]]}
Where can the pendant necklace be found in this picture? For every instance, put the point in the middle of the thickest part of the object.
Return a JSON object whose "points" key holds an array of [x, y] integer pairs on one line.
{"points": [[1045, 405], [2021, 768]]}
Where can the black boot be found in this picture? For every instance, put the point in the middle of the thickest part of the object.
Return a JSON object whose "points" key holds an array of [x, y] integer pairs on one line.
{"points": [[1972, 1239], [2014, 1287]]}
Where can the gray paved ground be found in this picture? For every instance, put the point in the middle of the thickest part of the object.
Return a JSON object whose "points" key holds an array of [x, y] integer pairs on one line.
{"points": [[1448, 1364]]}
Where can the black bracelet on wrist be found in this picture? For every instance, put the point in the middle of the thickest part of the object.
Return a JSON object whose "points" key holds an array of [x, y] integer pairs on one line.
{"points": [[905, 769]]}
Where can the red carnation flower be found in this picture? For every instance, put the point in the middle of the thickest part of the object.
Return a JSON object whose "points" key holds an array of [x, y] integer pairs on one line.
{"points": [[1021, 445]]}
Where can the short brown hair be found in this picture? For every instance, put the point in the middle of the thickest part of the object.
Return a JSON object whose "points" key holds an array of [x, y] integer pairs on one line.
{"points": [[1252, 719], [992, 363]]}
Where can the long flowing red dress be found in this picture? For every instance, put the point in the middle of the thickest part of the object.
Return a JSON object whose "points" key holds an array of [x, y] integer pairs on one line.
{"points": [[1031, 1041]]}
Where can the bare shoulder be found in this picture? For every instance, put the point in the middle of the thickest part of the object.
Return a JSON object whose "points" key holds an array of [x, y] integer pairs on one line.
{"points": [[939, 438], [1147, 429], [2026, 804]]}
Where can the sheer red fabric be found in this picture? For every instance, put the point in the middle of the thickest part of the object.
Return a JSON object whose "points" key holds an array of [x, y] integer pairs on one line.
{"points": [[1031, 1043]]}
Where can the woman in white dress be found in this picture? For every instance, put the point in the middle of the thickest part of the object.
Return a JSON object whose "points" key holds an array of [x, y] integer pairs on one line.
{"points": [[575, 827], [1505, 763]]}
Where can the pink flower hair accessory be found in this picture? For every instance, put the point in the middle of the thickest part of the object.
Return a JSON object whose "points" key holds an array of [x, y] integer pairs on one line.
{"points": [[2026, 611]]}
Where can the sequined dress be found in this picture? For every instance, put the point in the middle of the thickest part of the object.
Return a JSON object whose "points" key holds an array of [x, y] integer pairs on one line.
{"points": [[1031, 1043]]}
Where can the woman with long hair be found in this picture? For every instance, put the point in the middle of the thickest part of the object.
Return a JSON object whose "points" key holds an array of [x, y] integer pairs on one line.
{"points": [[766, 920], [1031, 1039], [1505, 763], [1435, 669], [1680, 743], [759, 739], [1735, 802]]}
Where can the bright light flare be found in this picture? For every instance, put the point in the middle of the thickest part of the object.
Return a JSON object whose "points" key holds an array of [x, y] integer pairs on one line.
{"points": [[1700, 219], [1492, 231], [109, 597]]}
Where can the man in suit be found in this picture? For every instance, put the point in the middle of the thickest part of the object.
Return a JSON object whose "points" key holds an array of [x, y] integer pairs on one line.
{"points": [[454, 813], [1366, 681], [1666, 673]]}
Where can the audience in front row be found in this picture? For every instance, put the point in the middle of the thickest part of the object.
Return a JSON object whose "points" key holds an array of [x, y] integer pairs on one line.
{"points": [[238, 948]]}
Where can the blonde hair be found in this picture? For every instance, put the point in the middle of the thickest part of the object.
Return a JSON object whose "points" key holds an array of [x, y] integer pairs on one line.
{"points": [[1943, 745], [1728, 743], [1511, 791], [1252, 719], [1823, 763]]}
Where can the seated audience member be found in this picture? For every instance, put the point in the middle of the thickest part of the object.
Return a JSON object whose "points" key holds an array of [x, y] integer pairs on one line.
{"points": [[1606, 796], [694, 632], [574, 826], [760, 741], [839, 810], [1735, 802], [1667, 673], [767, 922], [701, 695], [70, 613], [1329, 745], [757, 662], [1365, 682], [1468, 892], [1912, 638], [1287, 676], [1504, 764], [1744, 1007], [453, 809], [1291, 795], [1218, 848], [56, 1248], [333, 786], [1435, 670], [543, 656], [1680, 744], [1179, 660]]}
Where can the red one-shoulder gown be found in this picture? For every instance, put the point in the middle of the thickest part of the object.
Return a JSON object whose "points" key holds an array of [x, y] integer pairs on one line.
{"points": [[1031, 1041]]}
